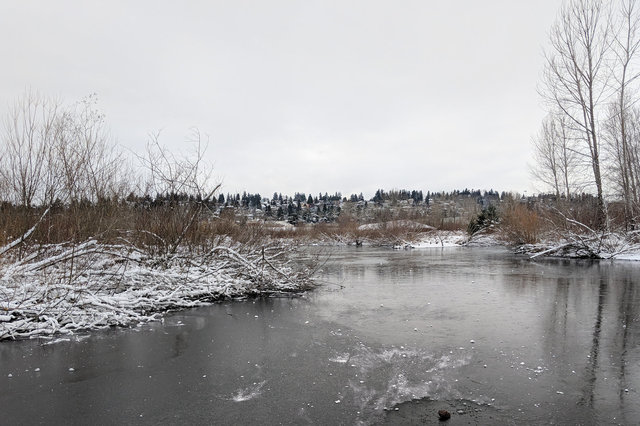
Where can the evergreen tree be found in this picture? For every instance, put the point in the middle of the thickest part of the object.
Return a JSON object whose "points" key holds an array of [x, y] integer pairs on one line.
{"points": [[378, 198]]}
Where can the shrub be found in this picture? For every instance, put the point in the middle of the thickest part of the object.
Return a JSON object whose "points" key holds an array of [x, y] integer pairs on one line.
{"points": [[521, 224], [486, 218]]}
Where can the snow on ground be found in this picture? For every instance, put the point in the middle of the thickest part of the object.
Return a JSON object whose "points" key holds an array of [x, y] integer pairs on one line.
{"points": [[395, 224], [484, 240], [441, 239], [278, 225], [628, 256]]}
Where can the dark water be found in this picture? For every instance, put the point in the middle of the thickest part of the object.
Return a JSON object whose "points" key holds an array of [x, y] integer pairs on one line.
{"points": [[545, 342]]}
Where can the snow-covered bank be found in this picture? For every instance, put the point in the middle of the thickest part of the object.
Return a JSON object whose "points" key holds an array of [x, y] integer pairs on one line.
{"points": [[613, 246], [62, 289], [440, 239], [398, 224], [608, 245], [629, 256]]}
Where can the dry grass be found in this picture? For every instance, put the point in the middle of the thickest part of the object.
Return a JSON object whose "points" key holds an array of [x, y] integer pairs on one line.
{"points": [[160, 229], [521, 224], [157, 230]]}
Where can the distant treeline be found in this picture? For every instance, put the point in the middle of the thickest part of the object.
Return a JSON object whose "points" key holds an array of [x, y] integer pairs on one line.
{"points": [[256, 201]]}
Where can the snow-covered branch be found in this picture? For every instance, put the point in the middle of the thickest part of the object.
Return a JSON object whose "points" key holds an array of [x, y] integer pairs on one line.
{"points": [[26, 235], [92, 285]]}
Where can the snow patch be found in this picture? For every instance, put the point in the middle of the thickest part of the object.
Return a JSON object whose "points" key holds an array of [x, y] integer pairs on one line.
{"points": [[628, 256], [395, 224], [441, 239]]}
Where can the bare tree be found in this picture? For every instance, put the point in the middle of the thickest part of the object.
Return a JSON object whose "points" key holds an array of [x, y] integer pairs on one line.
{"points": [[177, 176], [622, 167], [633, 139], [576, 77], [88, 162], [626, 45], [27, 140], [546, 153], [50, 152], [555, 156]]}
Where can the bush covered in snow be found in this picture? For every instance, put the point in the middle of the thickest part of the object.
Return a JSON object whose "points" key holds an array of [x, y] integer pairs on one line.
{"points": [[65, 288]]}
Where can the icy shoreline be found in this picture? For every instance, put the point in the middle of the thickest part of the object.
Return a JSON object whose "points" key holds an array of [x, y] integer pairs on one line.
{"points": [[605, 247], [63, 290]]}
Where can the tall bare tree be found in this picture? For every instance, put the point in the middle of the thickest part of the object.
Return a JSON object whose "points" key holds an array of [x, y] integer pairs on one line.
{"points": [[555, 156], [626, 46], [576, 77], [633, 139], [88, 162], [28, 136]]}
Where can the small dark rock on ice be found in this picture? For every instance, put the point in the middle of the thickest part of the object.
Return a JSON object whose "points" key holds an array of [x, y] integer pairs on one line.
{"points": [[444, 414]]}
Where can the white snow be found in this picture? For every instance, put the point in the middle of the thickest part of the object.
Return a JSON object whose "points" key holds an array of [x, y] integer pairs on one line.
{"points": [[396, 224], [279, 226], [440, 239], [628, 256], [605, 245]]}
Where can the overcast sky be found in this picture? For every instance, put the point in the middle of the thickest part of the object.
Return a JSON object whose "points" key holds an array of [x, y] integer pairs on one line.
{"points": [[306, 96]]}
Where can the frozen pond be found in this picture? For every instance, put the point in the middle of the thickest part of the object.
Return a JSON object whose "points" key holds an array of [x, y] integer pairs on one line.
{"points": [[482, 331]]}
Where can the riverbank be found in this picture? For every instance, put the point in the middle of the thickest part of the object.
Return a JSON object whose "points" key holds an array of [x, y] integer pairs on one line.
{"points": [[603, 246], [62, 289]]}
